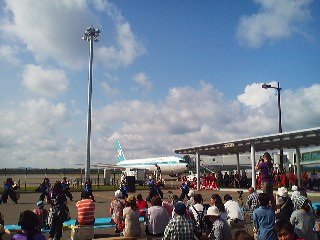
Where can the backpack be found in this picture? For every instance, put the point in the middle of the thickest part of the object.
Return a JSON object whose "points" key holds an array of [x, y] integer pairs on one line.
{"points": [[200, 221]]}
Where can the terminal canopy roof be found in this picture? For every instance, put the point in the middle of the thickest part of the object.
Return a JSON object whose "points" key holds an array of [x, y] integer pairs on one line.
{"points": [[287, 140]]}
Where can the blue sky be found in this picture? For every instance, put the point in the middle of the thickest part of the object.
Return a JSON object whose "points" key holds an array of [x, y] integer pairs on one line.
{"points": [[166, 74]]}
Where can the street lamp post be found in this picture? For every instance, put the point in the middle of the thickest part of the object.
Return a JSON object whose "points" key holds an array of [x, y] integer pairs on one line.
{"points": [[90, 35], [278, 88]]}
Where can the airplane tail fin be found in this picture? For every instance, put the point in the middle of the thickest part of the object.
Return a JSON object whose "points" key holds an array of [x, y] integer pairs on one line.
{"points": [[121, 156]]}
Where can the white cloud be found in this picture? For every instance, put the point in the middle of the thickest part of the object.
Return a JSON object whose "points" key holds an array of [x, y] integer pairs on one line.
{"points": [[39, 129], [143, 80], [254, 95], [8, 53], [274, 21], [129, 48], [108, 89], [45, 82], [50, 29]]}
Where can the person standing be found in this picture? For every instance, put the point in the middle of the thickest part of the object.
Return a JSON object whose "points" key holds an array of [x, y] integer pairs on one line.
{"points": [[45, 189], [9, 190], [179, 227], [266, 168], [86, 209], [88, 188], [66, 188], [264, 219], [59, 211], [252, 200]]}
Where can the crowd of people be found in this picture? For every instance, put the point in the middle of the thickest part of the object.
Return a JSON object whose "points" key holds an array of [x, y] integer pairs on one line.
{"points": [[274, 216]]}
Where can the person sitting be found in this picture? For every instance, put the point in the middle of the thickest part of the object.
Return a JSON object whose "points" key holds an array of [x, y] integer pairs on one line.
{"points": [[285, 230], [220, 228], [42, 214], [29, 223], [303, 219], [116, 209], [284, 204], [180, 226], [4, 234], [264, 219], [86, 208], [142, 205], [252, 200], [190, 201], [131, 216], [295, 193], [156, 218]]}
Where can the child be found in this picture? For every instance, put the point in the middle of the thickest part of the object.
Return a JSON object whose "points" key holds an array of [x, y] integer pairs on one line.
{"points": [[42, 214]]}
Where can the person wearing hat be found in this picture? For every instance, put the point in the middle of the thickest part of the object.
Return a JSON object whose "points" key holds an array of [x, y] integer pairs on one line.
{"points": [[131, 216], [180, 221], [303, 219], [42, 213], [220, 228], [295, 192], [190, 201], [116, 208], [284, 205]]}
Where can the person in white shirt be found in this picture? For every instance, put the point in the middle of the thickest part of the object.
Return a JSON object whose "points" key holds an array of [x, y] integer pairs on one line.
{"points": [[295, 193], [234, 213]]}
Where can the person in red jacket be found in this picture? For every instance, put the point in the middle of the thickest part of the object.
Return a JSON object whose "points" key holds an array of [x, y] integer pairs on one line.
{"points": [[142, 205], [283, 179], [292, 178]]}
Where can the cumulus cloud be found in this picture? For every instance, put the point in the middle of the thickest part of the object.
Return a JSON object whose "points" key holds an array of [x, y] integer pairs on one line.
{"points": [[109, 89], [207, 117], [274, 21], [39, 129], [45, 82], [143, 80], [129, 48], [254, 95], [9, 54], [52, 30]]}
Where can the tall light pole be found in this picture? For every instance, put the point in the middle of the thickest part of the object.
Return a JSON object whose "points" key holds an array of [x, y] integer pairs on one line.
{"points": [[90, 35], [278, 88]]}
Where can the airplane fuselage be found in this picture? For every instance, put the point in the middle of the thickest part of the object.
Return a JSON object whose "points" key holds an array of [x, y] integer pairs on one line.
{"points": [[166, 164]]}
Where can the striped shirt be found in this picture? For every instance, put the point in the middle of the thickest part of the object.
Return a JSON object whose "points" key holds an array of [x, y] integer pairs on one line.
{"points": [[85, 211], [252, 201]]}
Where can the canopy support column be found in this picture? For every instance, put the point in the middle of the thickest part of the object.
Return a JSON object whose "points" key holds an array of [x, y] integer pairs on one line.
{"points": [[198, 169], [238, 163], [253, 169], [298, 158]]}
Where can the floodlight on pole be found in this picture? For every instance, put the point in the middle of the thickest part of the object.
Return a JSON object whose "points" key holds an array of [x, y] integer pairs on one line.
{"points": [[90, 35], [278, 88]]}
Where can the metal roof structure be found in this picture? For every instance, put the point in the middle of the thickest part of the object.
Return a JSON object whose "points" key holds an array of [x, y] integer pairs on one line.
{"points": [[287, 140]]}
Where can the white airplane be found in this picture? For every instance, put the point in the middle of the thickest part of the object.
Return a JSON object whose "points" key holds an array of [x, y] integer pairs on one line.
{"points": [[167, 165]]}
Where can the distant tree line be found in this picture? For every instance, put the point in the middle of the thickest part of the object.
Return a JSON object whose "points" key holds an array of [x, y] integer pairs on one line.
{"points": [[8, 171]]}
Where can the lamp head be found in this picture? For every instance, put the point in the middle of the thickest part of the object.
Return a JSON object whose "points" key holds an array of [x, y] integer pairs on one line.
{"points": [[265, 86]]}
